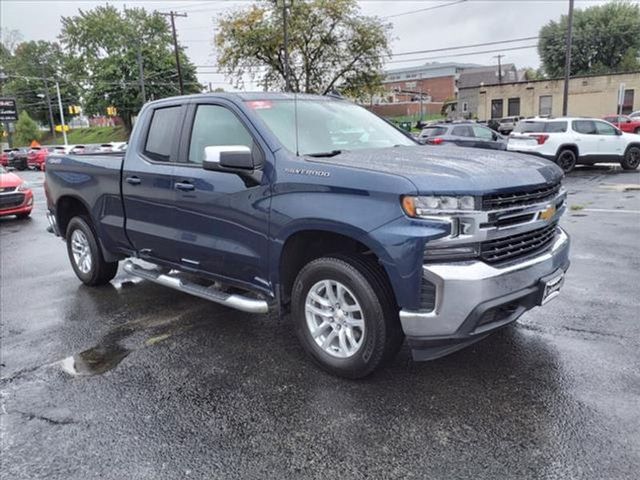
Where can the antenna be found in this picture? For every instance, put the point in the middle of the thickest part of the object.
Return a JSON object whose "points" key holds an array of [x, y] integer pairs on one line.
{"points": [[295, 117]]}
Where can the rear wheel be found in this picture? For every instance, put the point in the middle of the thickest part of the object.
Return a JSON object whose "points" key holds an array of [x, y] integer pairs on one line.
{"points": [[86, 257], [345, 315], [631, 158], [566, 160]]}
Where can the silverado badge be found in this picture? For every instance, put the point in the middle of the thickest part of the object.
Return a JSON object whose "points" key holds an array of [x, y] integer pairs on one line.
{"points": [[548, 213]]}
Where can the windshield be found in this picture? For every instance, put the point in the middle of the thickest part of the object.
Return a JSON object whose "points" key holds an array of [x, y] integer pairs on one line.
{"points": [[2, 170], [326, 126]]}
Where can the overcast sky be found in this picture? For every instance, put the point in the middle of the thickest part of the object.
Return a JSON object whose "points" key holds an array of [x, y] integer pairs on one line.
{"points": [[461, 23]]}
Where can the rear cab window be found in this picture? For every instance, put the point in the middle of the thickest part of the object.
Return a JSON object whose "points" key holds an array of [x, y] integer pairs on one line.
{"points": [[161, 136]]}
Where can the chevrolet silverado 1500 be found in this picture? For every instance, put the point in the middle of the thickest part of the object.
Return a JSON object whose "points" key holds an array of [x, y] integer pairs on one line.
{"points": [[314, 206]]}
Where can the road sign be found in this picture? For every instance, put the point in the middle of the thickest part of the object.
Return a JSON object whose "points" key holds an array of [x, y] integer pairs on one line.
{"points": [[62, 128], [8, 110]]}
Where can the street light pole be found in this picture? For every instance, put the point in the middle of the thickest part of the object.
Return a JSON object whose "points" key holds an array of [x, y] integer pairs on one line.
{"points": [[287, 85], [52, 125], [173, 16], [567, 61], [64, 132]]}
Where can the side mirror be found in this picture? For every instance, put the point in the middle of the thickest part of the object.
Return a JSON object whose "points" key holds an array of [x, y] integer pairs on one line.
{"points": [[228, 157], [618, 132]]}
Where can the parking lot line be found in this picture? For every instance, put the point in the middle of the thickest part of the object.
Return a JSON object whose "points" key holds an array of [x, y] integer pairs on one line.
{"points": [[609, 210]]}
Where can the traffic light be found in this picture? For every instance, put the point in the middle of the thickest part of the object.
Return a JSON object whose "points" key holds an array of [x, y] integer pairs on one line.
{"points": [[112, 111], [75, 110]]}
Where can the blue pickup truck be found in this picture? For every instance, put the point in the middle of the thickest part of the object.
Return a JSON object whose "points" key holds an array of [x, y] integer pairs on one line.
{"points": [[314, 207]]}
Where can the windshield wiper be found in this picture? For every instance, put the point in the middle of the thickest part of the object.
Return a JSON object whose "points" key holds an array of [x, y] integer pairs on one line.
{"points": [[332, 153]]}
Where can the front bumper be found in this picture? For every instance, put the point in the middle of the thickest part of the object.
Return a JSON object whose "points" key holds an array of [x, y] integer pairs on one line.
{"points": [[474, 299], [25, 207]]}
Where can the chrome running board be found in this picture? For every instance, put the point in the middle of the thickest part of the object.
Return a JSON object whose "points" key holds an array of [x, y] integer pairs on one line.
{"points": [[239, 302]]}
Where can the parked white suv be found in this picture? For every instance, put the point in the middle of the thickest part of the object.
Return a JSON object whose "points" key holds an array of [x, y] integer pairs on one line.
{"points": [[570, 141]]}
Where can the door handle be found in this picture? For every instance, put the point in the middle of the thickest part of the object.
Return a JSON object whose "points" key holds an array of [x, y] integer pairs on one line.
{"points": [[133, 180], [184, 186]]}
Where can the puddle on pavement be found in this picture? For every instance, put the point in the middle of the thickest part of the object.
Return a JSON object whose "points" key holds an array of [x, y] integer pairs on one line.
{"points": [[100, 359], [94, 361]]}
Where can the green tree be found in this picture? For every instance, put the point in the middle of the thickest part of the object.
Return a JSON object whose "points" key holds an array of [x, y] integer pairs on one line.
{"points": [[331, 45], [606, 39], [26, 130], [26, 66], [104, 44]]}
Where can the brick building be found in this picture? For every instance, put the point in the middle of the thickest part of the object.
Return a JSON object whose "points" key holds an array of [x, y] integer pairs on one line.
{"points": [[589, 95]]}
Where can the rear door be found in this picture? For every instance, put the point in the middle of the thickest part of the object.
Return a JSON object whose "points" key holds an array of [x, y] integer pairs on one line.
{"points": [[148, 187], [586, 137], [610, 143], [463, 135], [222, 217]]}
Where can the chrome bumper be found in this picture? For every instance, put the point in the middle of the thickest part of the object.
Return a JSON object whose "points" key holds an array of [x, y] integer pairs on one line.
{"points": [[463, 288]]}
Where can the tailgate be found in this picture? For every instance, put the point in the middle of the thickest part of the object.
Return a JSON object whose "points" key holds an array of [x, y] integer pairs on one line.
{"points": [[516, 140]]}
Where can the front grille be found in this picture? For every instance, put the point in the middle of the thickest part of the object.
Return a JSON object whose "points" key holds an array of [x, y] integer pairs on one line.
{"points": [[520, 199], [517, 246], [427, 296], [12, 200]]}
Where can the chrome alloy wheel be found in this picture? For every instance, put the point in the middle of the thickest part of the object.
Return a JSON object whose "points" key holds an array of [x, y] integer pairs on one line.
{"points": [[334, 318], [81, 251]]}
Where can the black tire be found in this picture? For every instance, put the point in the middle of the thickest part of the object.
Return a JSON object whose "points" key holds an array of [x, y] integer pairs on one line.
{"points": [[23, 216], [100, 272], [566, 160], [637, 131], [383, 335], [631, 158]]}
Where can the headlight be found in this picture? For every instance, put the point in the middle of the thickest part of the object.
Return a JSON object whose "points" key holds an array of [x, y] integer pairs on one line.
{"points": [[22, 187], [425, 206]]}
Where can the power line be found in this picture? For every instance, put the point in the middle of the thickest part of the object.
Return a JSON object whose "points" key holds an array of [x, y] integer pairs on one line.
{"points": [[425, 9], [173, 16]]}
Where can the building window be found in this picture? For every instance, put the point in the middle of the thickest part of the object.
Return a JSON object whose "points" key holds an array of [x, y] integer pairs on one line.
{"points": [[544, 107], [513, 107], [465, 107], [627, 102], [497, 108]]}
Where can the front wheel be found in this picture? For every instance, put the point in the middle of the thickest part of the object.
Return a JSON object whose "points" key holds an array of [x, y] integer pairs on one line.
{"points": [[566, 160], [86, 257], [631, 158], [345, 315]]}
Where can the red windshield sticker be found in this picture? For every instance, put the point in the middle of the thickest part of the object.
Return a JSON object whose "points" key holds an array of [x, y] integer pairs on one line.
{"points": [[260, 104]]}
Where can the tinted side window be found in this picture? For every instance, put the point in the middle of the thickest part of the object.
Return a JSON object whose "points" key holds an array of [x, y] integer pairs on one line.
{"points": [[605, 129], [432, 132], [586, 127], [462, 131], [216, 126], [162, 133], [556, 127]]}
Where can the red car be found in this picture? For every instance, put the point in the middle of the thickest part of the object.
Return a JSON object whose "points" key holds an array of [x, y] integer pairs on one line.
{"points": [[36, 157], [4, 158], [624, 123], [16, 198]]}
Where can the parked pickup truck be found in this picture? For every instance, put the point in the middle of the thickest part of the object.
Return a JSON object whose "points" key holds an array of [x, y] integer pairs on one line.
{"points": [[270, 203]]}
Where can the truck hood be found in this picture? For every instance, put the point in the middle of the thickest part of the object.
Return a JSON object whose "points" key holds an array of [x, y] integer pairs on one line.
{"points": [[446, 169]]}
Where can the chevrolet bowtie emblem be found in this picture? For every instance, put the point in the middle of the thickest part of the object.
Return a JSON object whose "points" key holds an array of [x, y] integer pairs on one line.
{"points": [[548, 213]]}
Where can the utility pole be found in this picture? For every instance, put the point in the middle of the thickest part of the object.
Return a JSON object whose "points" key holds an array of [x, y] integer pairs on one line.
{"points": [[52, 124], [141, 75], [567, 61], [173, 16], [64, 132], [287, 85], [499, 57]]}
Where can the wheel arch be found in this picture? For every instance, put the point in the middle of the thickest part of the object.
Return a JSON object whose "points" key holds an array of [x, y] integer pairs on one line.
{"points": [[304, 244]]}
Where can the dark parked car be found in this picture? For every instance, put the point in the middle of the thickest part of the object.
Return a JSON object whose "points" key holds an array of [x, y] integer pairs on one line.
{"points": [[463, 135], [15, 158]]}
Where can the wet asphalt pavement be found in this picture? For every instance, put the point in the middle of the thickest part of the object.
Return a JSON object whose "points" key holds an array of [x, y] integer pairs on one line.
{"points": [[164, 385]]}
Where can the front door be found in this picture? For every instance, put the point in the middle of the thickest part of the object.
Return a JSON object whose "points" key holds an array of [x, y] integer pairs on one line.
{"points": [[586, 137], [222, 217]]}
